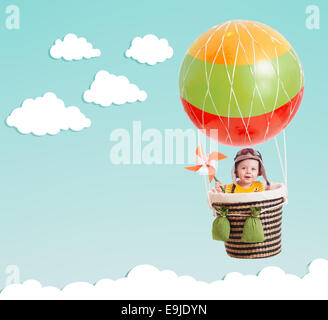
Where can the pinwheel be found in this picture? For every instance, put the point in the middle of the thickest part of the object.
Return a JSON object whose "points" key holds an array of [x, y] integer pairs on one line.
{"points": [[205, 162]]}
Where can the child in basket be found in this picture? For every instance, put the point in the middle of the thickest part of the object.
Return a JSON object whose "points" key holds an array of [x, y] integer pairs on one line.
{"points": [[248, 165]]}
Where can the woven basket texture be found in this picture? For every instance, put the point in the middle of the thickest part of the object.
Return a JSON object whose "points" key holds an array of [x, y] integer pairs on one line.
{"points": [[271, 219]]}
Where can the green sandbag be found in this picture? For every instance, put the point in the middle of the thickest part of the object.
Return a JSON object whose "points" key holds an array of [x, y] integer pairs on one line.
{"points": [[253, 229], [221, 226]]}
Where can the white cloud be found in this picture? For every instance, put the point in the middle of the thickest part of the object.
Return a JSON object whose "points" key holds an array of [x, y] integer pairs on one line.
{"points": [[73, 48], [108, 88], [46, 115], [149, 49], [147, 282]]}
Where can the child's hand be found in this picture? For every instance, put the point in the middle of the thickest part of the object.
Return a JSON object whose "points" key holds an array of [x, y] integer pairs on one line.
{"points": [[218, 185]]}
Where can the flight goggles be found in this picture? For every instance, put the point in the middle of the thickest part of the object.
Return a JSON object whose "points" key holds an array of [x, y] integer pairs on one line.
{"points": [[245, 151]]}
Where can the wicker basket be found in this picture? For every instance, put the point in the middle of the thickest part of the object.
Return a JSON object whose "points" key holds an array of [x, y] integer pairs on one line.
{"points": [[271, 204]]}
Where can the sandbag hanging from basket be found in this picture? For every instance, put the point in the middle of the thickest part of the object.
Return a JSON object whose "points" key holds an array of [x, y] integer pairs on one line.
{"points": [[253, 229], [221, 226]]}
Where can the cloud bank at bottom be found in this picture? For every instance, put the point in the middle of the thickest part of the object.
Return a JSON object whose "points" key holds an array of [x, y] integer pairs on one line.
{"points": [[147, 282]]}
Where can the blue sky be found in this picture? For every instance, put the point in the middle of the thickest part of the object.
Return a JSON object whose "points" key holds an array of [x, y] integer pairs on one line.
{"points": [[69, 214]]}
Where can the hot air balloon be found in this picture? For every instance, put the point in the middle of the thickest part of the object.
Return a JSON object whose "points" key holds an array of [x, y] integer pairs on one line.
{"points": [[241, 82]]}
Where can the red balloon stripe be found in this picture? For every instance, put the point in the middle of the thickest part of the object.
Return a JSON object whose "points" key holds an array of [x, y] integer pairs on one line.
{"points": [[244, 131]]}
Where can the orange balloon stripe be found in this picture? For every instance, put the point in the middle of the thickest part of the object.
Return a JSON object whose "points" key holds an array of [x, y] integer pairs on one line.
{"points": [[239, 43]]}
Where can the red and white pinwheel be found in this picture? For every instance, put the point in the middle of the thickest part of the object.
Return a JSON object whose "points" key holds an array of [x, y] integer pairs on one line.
{"points": [[205, 162]]}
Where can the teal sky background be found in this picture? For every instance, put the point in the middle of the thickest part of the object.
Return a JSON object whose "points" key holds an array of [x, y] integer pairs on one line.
{"points": [[68, 214]]}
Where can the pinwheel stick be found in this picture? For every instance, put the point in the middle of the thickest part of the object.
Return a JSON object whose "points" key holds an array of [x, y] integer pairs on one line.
{"points": [[216, 180]]}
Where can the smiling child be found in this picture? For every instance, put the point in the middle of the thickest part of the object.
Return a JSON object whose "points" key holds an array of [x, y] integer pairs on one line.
{"points": [[248, 166]]}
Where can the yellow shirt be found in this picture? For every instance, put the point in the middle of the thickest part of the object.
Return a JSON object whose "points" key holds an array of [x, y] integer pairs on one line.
{"points": [[257, 186]]}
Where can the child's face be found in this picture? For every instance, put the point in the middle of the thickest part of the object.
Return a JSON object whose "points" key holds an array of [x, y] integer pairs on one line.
{"points": [[247, 171]]}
